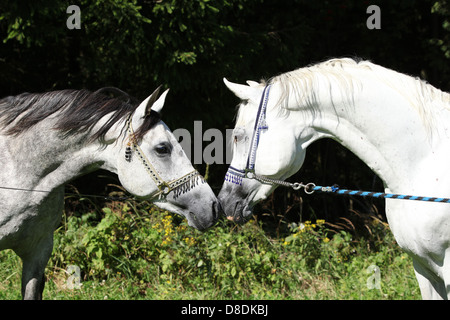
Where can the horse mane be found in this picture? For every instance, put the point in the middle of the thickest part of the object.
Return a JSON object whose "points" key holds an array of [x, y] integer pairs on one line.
{"points": [[79, 110], [302, 83]]}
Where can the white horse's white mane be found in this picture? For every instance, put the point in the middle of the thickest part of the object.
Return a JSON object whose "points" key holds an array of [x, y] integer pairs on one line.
{"points": [[346, 74]]}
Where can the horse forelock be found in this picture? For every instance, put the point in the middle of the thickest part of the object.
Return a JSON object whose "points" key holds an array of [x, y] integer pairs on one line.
{"points": [[75, 111]]}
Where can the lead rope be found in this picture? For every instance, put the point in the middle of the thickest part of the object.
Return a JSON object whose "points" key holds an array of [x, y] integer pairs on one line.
{"points": [[335, 189], [310, 188]]}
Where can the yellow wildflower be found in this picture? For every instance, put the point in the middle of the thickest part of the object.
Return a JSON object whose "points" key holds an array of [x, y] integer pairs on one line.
{"points": [[189, 241]]}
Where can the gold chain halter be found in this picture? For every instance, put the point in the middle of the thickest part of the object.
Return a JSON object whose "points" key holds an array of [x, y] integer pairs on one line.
{"points": [[178, 186]]}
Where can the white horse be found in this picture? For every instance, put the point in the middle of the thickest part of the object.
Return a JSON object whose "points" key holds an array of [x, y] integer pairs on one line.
{"points": [[48, 139], [398, 125]]}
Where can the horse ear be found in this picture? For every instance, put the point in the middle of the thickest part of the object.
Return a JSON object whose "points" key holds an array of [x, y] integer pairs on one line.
{"points": [[159, 104], [151, 102], [252, 84], [144, 108], [241, 91]]}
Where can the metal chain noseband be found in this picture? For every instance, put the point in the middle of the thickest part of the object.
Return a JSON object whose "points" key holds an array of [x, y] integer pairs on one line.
{"points": [[235, 176], [178, 186], [293, 185]]}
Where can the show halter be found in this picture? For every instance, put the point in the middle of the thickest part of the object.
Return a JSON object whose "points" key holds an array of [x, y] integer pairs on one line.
{"points": [[178, 186], [236, 176]]}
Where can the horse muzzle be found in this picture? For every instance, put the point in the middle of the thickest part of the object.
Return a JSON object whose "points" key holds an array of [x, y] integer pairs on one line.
{"points": [[202, 222], [235, 206]]}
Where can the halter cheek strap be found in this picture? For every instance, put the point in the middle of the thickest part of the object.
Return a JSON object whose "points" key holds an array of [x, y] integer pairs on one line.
{"points": [[260, 124], [235, 175], [178, 186]]}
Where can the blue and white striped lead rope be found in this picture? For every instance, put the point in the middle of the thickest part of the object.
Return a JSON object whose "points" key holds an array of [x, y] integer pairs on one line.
{"points": [[335, 189]]}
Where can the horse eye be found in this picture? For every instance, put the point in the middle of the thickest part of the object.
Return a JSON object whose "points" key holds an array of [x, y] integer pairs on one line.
{"points": [[238, 133], [162, 149]]}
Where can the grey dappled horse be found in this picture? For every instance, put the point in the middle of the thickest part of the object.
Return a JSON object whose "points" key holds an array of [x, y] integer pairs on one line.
{"points": [[50, 138]]}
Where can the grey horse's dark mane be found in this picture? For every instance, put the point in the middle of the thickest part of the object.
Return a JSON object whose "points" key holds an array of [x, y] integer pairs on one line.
{"points": [[80, 111]]}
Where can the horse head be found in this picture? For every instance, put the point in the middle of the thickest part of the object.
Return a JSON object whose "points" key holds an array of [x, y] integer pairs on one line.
{"points": [[151, 164], [264, 144]]}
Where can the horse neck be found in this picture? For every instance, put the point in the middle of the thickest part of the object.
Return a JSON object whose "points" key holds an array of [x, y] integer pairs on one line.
{"points": [[44, 158], [378, 124]]}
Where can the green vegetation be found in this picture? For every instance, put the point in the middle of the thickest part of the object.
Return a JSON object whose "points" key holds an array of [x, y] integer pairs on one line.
{"points": [[134, 251]]}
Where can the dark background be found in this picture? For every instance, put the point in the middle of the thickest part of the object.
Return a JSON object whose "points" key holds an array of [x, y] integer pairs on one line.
{"points": [[189, 46]]}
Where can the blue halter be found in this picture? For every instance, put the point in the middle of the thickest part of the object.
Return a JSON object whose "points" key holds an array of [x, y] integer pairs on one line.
{"points": [[235, 175]]}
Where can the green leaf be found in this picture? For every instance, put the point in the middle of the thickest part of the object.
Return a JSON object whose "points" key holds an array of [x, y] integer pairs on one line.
{"points": [[233, 271]]}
